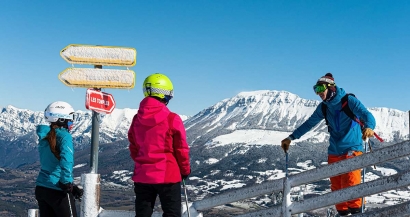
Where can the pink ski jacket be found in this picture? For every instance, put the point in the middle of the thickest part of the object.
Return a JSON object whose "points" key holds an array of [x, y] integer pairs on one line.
{"points": [[158, 144]]}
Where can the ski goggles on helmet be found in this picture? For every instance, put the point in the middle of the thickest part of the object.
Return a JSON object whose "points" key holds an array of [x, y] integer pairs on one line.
{"points": [[319, 88], [70, 122], [70, 125]]}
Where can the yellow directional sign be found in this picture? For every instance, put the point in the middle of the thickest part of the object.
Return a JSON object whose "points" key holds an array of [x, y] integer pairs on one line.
{"points": [[98, 78], [99, 55]]}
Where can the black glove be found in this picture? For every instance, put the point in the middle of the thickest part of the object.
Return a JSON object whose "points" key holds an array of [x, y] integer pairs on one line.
{"points": [[67, 188], [77, 192], [184, 177]]}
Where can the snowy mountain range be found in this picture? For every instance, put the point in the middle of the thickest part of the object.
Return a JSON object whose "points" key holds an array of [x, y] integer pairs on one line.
{"points": [[278, 113], [17, 131], [250, 118], [234, 143]]}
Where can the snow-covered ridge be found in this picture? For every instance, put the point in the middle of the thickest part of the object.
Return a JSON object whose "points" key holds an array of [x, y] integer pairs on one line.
{"points": [[264, 110], [184, 117], [16, 122], [279, 111]]}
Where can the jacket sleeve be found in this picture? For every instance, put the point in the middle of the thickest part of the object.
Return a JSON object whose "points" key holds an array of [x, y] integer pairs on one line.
{"points": [[134, 148], [180, 145], [67, 158], [361, 111], [312, 121]]}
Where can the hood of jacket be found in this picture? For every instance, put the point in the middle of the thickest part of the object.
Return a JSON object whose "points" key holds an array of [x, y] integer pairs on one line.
{"points": [[338, 98], [42, 131], [152, 111]]}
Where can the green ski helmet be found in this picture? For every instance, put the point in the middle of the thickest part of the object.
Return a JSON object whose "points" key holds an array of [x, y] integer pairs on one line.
{"points": [[158, 85]]}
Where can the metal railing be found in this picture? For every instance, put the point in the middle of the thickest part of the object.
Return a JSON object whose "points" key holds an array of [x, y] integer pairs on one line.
{"points": [[380, 185]]}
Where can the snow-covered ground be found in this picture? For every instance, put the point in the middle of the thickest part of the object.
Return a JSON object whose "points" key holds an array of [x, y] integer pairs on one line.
{"points": [[205, 186]]}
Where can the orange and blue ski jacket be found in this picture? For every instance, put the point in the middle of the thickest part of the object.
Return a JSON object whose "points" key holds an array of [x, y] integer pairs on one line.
{"points": [[345, 134]]}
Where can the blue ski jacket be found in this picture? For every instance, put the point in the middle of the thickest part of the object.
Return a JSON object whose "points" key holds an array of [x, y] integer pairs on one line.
{"points": [[54, 170], [345, 134]]}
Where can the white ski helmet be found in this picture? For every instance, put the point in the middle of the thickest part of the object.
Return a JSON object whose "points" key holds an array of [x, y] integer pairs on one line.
{"points": [[59, 111]]}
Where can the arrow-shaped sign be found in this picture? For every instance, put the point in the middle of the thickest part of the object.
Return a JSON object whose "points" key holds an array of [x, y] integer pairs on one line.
{"points": [[99, 55], [99, 101], [98, 78]]}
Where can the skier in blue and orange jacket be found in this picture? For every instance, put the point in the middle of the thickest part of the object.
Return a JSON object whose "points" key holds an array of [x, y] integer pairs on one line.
{"points": [[346, 135]]}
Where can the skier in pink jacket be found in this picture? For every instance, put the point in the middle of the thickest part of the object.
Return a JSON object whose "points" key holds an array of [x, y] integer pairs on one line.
{"points": [[159, 149]]}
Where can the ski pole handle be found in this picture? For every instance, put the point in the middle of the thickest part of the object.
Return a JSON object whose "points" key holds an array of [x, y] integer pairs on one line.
{"points": [[375, 134]]}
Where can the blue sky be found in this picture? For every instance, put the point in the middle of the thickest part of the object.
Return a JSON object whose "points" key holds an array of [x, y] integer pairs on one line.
{"points": [[211, 50]]}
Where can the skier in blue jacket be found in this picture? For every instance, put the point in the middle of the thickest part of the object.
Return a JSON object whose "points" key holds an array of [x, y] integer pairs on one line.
{"points": [[346, 135], [54, 185]]}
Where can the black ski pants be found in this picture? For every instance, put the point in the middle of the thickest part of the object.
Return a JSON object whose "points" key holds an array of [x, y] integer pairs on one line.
{"points": [[169, 196], [54, 203]]}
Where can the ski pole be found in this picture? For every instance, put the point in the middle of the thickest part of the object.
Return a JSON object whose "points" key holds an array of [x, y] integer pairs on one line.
{"points": [[370, 147], [287, 160], [364, 171], [69, 205], [186, 198]]}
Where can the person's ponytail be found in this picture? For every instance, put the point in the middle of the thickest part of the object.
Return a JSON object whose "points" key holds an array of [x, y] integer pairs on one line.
{"points": [[51, 138]]}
